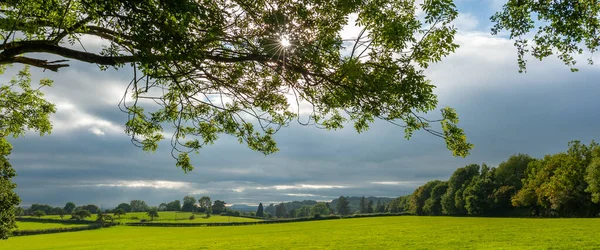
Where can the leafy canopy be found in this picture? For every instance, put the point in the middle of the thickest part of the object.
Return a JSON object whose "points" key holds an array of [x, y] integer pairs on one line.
{"points": [[201, 69], [564, 28]]}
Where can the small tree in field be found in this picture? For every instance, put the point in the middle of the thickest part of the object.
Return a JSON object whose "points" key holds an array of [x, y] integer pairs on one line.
{"points": [[260, 212], [118, 212], [81, 214], [39, 213], [208, 211], [153, 213]]}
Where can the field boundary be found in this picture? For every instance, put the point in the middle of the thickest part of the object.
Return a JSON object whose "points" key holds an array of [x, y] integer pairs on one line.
{"points": [[245, 223], [62, 229], [48, 220], [88, 225]]}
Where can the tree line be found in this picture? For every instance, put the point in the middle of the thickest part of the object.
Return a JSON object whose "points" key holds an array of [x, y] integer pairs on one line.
{"points": [[565, 184], [344, 205], [204, 205]]}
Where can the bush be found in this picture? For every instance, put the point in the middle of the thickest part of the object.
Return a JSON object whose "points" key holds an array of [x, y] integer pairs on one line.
{"points": [[134, 218], [192, 217]]}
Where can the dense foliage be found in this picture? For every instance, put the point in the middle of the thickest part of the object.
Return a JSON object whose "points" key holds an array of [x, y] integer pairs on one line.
{"points": [[566, 28], [564, 185]]}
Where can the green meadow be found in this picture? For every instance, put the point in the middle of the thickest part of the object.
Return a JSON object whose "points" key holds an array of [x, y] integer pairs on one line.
{"points": [[402, 232]]}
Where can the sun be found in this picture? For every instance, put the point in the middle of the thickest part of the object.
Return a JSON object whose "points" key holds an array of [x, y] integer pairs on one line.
{"points": [[284, 41]]}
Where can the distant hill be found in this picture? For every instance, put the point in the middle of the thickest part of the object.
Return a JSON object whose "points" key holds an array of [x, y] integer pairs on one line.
{"points": [[355, 202], [243, 208]]}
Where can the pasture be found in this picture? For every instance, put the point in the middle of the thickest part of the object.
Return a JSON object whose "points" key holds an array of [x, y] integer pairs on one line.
{"points": [[402, 232]]}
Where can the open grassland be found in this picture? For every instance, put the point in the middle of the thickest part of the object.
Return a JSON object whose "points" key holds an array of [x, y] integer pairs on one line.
{"points": [[42, 225], [180, 217], [403, 232]]}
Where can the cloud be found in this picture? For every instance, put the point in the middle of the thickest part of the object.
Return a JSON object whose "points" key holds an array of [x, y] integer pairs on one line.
{"points": [[145, 184], [97, 131], [301, 186], [466, 22], [398, 183]]}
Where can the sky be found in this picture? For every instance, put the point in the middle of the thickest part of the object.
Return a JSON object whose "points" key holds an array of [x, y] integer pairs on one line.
{"points": [[89, 159]]}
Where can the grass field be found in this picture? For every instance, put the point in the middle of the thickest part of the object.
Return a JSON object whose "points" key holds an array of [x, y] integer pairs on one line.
{"points": [[42, 225], [181, 217], [404, 232]]}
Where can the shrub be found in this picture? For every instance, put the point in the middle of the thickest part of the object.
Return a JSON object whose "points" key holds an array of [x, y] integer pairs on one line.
{"points": [[143, 220], [192, 217]]}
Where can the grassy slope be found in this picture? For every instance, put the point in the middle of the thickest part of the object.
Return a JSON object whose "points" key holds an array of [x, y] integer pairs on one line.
{"points": [[365, 233], [165, 217], [38, 225]]}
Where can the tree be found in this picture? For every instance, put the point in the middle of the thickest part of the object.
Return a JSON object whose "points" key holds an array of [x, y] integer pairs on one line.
{"points": [[91, 208], [508, 177], [319, 209], [218, 207], [174, 205], [8, 197], [189, 204], [80, 214], [280, 211], [61, 212], [69, 207], [556, 185], [453, 202], [564, 28], [303, 211], [190, 48], [260, 211], [21, 108], [478, 194], [100, 217], [343, 207], [47, 209], [433, 205], [119, 211], [126, 207], [39, 213], [19, 211], [204, 203], [370, 209], [208, 211], [362, 207], [138, 206], [153, 213], [162, 207], [380, 208], [593, 176]]}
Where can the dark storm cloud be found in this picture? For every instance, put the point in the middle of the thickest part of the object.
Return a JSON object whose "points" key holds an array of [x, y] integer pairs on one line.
{"points": [[503, 113]]}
